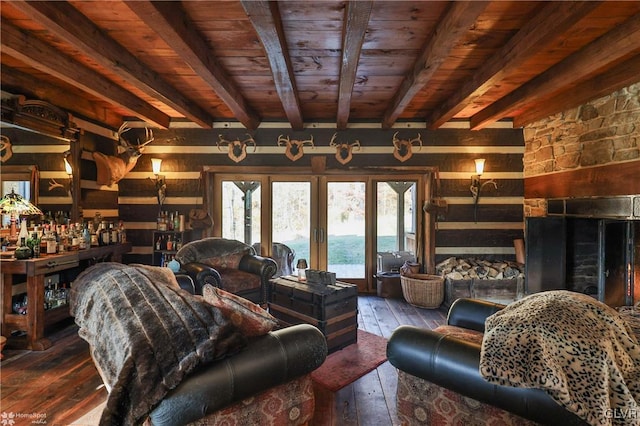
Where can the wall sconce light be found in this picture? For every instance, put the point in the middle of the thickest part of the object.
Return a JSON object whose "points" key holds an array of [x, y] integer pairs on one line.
{"points": [[67, 168], [159, 181], [477, 184]]}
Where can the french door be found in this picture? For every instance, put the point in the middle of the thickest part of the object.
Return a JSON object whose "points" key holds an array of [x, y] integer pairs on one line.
{"points": [[335, 223]]}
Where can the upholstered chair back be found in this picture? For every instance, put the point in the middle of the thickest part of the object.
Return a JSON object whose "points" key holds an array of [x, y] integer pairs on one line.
{"points": [[219, 253]]}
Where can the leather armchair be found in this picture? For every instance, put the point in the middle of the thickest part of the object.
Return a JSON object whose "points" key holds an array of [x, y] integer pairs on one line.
{"points": [[452, 363], [283, 255], [228, 264]]}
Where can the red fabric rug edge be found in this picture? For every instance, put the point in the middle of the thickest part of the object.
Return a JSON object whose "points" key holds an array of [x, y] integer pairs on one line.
{"points": [[352, 362]]}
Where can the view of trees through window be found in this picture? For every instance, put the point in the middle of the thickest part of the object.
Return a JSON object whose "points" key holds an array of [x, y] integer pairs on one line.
{"points": [[345, 228]]}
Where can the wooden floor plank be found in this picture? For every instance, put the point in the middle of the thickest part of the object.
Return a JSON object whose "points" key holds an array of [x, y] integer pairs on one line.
{"points": [[63, 383]]}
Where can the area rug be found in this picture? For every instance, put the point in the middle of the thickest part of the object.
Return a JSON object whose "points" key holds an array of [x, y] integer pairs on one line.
{"points": [[354, 361]]}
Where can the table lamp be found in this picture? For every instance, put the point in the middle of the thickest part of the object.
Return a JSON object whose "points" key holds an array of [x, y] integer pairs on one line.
{"points": [[16, 205]]}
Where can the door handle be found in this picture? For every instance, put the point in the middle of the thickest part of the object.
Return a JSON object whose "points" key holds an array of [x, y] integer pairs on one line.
{"points": [[315, 235], [321, 235]]}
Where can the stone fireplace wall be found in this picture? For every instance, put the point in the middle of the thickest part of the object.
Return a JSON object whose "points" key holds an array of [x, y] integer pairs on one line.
{"points": [[605, 131]]}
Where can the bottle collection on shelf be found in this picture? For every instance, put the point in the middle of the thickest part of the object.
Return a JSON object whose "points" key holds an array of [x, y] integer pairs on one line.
{"points": [[170, 221], [59, 236], [55, 296], [168, 245]]}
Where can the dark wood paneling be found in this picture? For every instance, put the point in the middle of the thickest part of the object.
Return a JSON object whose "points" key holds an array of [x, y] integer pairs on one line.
{"points": [[488, 212], [460, 188], [484, 256], [477, 237], [610, 179]]}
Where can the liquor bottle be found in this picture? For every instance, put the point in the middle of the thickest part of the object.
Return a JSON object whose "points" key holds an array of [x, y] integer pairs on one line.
{"points": [[113, 238], [43, 242], [104, 234], [24, 233], [170, 222], [169, 243], [94, 241], [52, 244], [84, 238], [122, 232], [176, 221], [74, 237], [34, 244]]}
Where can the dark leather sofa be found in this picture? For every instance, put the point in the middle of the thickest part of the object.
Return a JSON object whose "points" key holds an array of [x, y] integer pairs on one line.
{"points": [[453, 364], [266, 362]]}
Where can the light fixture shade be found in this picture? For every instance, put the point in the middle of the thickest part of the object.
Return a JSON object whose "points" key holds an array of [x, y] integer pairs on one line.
{"points": [[67, 167], [16, 204], [155, 165], [479, 166]]}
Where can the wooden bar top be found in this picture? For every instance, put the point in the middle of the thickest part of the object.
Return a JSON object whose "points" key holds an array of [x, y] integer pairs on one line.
{"points": [[55, 262]]}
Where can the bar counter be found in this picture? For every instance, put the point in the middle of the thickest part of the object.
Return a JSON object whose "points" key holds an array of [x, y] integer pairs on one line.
{"points": [[35, 270]]}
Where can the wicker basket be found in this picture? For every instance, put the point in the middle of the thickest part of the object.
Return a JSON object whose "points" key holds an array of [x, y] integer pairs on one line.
{"points": [[423, 290]]}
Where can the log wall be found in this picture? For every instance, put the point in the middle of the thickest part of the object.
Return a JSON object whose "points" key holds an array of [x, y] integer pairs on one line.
{"points": [[186, 151]]}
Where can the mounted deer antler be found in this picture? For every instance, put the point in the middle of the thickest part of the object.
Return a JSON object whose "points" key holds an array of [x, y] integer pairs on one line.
{"points": [[5, 148], [53, 185], [237, 148], [294, 149], [403, 148], [113, 168], [344, 149]]}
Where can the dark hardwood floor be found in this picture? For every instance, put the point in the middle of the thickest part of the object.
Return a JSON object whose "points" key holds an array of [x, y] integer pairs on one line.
{"points": [[61, 384]]}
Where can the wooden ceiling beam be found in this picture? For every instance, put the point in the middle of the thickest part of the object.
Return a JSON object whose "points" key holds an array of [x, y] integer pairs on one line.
{"points": [[65, 22], [171, 23], [265, 18], [357, 15], [458, 18], [621, 41], [47, 59], [13, 79], [536, 34], [623, 75]]}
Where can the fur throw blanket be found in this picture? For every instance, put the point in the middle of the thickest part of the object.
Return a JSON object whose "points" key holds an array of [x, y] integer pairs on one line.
{"points": [[580, 351], [145, 334]]}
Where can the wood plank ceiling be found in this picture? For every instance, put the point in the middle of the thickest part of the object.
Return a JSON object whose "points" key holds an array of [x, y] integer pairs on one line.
{"points": [[318, 61]]}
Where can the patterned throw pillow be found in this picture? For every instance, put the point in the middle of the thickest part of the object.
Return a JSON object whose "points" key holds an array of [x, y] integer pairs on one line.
{"points": [[248, 317]]}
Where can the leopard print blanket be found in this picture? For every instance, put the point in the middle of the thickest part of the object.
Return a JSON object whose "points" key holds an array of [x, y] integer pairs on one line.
{"points": [[580, 351]]}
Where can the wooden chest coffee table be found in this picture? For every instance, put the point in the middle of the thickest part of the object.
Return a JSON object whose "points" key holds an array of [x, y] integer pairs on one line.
{"points": [[332, 308]]}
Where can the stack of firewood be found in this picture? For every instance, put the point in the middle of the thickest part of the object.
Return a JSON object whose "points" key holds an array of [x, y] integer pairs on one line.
{"points": [[471, 268]]}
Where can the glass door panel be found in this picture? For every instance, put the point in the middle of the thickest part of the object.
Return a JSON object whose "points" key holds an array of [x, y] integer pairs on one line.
{"points": [[291, 218], [396, 217], [346, 226], [241, 206]]}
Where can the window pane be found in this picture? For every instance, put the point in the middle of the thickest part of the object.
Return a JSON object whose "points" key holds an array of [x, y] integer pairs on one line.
{"points": [[346, 229], [291, 217], [241, 211], [396, 216]]}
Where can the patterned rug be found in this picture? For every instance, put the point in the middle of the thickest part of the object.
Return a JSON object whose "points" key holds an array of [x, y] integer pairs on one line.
{"points": [[354, 361]]}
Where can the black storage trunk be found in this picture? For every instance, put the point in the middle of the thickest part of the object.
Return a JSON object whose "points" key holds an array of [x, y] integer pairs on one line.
{"points": [[332, 308]]}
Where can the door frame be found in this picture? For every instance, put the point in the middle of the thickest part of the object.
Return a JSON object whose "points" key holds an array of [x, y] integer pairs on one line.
{"points": [[424, 176]]}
